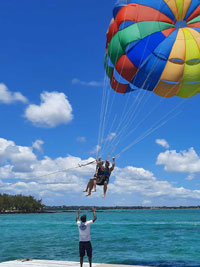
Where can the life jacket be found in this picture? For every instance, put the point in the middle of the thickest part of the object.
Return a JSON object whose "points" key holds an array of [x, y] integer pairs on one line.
{"points": [[100, 176], [107, 172], [100, 171]]}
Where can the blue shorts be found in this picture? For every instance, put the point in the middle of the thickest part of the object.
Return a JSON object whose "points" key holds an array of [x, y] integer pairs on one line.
{"points": [[85, 246]]}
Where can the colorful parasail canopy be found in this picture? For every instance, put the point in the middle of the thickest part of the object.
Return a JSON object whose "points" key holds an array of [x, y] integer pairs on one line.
{"points": [[155, 45]]}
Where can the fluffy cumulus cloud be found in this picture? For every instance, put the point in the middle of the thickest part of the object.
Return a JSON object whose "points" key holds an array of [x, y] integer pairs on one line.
{"points": [[183, 161], [54, 109], [15, 159], [8, 97], [90, 84], [62, 180], [22, 172], [163, 143], [140, 182]]}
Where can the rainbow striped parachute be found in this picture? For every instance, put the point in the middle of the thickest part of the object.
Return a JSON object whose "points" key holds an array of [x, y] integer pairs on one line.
{"points": [[155, 45]]}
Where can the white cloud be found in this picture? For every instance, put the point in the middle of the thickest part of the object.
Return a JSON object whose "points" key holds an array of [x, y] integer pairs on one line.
{"points": [[54, 110], [81, 139], [138, 181], [190, 177], [147, 202], [15, 158], [91, 83], [183, 161], [61, 179], [47, 178], [163, 143], [38, 145], [8, 97]]}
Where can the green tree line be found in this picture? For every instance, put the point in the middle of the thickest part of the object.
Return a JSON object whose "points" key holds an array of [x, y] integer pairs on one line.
{"points": [[19, 203]]}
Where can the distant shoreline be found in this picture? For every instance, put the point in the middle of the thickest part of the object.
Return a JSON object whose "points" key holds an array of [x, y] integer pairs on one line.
{"points": [[115, 208], [64, 209]]}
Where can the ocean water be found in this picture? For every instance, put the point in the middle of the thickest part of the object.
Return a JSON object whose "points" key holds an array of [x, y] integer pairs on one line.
{"points": [[168, 238]]}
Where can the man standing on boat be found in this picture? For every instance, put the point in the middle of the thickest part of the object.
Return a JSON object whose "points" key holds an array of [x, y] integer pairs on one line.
{"points": [[84, 236]]}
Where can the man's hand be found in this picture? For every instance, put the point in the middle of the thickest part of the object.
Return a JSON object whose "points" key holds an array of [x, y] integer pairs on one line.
{"points": [[94, 214], [77, 216]]}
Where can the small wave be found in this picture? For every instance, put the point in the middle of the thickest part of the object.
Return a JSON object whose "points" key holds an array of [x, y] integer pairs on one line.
{"points": [[171, 263], [150, 223]]}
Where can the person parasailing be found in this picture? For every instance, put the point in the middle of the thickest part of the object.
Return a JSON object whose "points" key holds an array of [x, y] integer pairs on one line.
{"points": [[101, 177], [107, 172], [93, 181]]}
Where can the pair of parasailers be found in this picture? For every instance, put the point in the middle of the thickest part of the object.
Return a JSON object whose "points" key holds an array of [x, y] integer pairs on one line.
{"points": [[101, 176]]}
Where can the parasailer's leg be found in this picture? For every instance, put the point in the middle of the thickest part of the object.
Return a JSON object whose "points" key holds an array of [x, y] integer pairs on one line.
{"points": [[95, 185], [105, 188], [90, 186]]}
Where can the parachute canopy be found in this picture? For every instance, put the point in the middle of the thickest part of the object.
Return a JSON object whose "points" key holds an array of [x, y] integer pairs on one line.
{"points": [[155, 45]]}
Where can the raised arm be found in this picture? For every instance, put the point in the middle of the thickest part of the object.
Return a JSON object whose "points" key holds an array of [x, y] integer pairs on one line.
{"points": [[98, 160], [94, 215], [97, 166], [77, 216], [113, 165]]}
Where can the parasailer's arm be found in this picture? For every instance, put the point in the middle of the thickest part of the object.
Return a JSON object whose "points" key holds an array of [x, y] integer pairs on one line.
{"points": [[98, 166], [113, 165]]}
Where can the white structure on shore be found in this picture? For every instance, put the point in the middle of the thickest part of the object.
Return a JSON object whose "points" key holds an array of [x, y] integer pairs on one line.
{"points": [[50, 263]]}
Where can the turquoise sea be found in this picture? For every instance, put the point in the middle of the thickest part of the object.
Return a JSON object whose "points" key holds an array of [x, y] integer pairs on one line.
{"points": [[146, 237]]}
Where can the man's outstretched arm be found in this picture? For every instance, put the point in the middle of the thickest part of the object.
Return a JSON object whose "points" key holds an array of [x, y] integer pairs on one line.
{"points": [[113, 165], [77, 216], [94, 215]]}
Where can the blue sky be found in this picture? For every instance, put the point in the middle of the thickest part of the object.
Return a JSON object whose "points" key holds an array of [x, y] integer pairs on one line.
{"points": [[52, 76]]}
